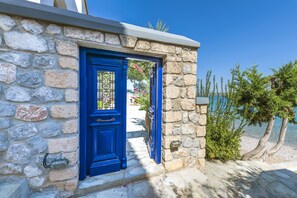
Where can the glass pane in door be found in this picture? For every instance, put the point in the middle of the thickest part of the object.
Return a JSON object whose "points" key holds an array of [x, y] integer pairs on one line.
{"points": [[105, 90]]}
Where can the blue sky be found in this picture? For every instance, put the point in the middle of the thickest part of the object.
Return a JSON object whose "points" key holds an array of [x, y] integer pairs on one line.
{"points": [[262, 32]]}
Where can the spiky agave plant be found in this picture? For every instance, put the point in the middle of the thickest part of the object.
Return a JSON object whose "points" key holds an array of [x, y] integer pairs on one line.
{"points": [[160, 26]]}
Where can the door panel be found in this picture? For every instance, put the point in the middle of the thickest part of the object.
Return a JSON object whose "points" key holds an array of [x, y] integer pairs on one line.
{"points": [[151, 112], [105, 115]]}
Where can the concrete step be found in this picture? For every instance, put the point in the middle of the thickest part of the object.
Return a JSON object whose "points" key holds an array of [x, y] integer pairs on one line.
{"points": [[139, 167], [137, 134], [14, 189], [120, 178], [182, 183]]}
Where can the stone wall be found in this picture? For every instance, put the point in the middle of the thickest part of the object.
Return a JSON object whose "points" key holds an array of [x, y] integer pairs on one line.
{"points": [[39, 99]]}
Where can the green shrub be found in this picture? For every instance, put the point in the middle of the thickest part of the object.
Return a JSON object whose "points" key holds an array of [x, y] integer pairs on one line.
{"points": [[224, 127]]}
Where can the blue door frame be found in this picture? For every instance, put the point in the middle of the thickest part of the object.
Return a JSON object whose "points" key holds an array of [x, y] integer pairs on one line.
{"points": [[155, 152]]}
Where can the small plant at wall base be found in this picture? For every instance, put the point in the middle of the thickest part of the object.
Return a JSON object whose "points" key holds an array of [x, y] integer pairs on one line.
{"points": [[224, 127]]}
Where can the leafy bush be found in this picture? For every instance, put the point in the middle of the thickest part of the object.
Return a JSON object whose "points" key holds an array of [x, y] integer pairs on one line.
{"points": [[144, 101], [224, 127]]}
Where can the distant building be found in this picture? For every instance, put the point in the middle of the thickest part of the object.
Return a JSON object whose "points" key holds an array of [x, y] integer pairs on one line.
{"points": [[79, 6]]}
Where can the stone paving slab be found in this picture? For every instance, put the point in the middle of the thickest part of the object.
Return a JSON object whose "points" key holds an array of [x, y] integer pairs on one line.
{"points": [[14, 189], [217, 179]]}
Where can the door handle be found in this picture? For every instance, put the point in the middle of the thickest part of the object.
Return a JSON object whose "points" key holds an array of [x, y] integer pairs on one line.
{"points": [[110, 120]]}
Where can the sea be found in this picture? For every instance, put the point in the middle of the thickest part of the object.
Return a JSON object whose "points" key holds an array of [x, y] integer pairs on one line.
{"points": [[258, 131]]}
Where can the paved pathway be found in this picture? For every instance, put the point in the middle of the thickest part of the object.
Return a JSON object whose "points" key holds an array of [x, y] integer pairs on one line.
{"points": [[232, 179], [135, 122]]}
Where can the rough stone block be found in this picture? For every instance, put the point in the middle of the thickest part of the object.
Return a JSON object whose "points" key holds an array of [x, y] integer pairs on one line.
{"points": [[72, 157], [202, 142], [171, 92], [18, 153], [166, 141], [201, 131], [66, 144], [167, 129], [31, 113], [167, 155], [53, 29], [188, 104], [67, 48], [32, 26], [128, 41], [22, 131], [50, 129], [63, 174], [89, 35], [30, 79], [190, 79], [7, 109], [188, 129], [25, 41], [193, 116], [37, 144], [71, 185], [189, 161], [202, 119], [201, 153], [64, 111], [32, 171], [167, 79], [112, 39], [70, 126], [44, 61], [7, 72], [176, 104], [189, 68], [187, 142], [185, 117], [191, 92], [159, 47], [10, 168], [142, 45], [173, 165], [172, 116], [17, 58], [167, 105], [6, 22], [189, 55], [5, 123], [17, 94], [68, 63], [203, 109], [36, 182], [46, 94], [172, 68], [71, 95], [61, 79]]}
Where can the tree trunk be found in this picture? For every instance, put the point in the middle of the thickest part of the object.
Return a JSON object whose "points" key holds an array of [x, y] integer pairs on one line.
{"points": [[280, 142], [262, 142]]}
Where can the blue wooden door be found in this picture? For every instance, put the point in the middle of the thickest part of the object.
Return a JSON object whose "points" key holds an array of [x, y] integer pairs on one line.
{"points": [[103, 86], [106, 114]]}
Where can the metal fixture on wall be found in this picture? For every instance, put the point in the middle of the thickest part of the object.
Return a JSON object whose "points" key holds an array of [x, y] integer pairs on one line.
{"points": [[58, 163]]}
